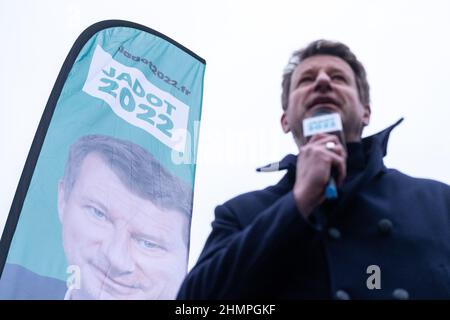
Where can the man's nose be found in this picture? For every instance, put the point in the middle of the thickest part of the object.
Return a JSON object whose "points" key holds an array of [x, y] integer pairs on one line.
{"points": [[323, 82], [117, 251]]}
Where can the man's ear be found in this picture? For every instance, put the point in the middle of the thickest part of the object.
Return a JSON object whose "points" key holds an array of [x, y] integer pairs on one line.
{"points": [[61, 200], [366, 115], [285, 123]]}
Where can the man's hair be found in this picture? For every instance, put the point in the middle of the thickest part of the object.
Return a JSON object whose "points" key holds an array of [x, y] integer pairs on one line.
{"points": [[136, 168], [329, 48]]}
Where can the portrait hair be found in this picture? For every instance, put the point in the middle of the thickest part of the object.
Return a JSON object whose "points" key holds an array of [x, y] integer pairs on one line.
{"points": [[136, 168]]}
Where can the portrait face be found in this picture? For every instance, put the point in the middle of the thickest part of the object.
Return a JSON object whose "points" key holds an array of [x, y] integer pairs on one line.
{"points": [[325, 81], [125, 246]]}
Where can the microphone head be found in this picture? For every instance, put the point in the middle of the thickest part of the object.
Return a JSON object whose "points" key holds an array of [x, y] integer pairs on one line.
{"points": [[323, 121], [320, 111]]}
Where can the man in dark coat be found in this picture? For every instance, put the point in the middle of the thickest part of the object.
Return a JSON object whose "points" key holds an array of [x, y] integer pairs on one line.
{"points": [[386, 236]]}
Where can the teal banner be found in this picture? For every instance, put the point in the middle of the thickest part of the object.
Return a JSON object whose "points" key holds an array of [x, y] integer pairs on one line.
{"points": [[104, 204]]}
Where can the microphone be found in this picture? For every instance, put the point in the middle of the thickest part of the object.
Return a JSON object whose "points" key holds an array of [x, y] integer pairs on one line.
{"points": [[325, 121]]}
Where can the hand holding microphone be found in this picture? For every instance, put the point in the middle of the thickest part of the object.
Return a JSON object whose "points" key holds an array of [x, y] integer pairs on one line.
{"points": [[321, 164], [325, 121]]}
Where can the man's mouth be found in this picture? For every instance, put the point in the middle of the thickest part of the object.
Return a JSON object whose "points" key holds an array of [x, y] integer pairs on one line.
{"points": [[324, 102]]}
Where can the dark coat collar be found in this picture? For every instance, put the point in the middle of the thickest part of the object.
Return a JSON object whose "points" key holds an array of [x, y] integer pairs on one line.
{"points": [[376, 144]]}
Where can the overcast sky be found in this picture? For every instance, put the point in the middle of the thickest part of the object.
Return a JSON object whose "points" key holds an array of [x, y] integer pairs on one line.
{"points": [[403, 44]]}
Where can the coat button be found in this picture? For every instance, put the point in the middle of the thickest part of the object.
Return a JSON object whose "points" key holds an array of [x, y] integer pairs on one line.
{"points": [[400, 294], [385, 226], [334, 233], [342, 295]]}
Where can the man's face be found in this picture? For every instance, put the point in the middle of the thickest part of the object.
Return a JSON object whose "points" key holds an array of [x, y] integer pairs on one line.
{"points": [[125, 246], [325, 81]]}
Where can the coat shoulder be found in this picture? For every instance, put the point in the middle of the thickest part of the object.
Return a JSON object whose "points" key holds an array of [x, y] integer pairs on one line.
{"points": [[415, 183], [245, 207]]}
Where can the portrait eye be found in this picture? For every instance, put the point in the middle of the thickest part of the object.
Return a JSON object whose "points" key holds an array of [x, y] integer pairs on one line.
{"points": [[97, 214], [147, 244]]}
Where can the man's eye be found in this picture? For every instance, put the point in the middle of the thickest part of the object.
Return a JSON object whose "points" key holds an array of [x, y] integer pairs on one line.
{"points": [[338, 77], [98, 214], [305, 80]]}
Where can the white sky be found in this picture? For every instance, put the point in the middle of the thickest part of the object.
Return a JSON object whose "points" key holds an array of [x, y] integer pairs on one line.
{"points": [[403, 44]]}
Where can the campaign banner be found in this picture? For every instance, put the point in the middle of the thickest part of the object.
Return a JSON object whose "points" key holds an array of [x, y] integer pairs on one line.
{"points": [[104, 204]]}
